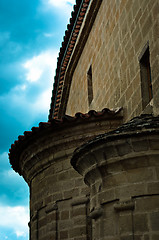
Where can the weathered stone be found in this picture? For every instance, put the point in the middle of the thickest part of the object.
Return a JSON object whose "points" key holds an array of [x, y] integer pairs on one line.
{"points": [[130, 184], [154, 220], [140, 223], [111, 38]]}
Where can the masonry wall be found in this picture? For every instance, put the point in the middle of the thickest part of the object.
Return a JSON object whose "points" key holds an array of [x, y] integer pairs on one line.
{"points": [[56, 215], [59, 198], [117, 39], [122, 173]]}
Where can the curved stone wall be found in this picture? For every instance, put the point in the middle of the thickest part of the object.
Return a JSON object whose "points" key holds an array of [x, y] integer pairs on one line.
{"points": [[59, 199], [122, 171]]}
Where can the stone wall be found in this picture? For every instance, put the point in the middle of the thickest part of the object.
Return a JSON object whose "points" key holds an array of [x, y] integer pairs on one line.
{"points": [[59, 199], [115, 43], [121, 169]]}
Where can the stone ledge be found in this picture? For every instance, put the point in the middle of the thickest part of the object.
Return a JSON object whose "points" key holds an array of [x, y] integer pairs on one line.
{"points": [[80, 201], [51, 208], [54, 141], [124, 205]]}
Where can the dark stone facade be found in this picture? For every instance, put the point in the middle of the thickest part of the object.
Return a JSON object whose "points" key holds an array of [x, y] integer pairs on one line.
{"points": [[121, 169], [59, 199]]}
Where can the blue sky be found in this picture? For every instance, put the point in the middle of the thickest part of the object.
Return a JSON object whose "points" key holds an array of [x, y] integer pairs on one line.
{"points": [[31, 33]]}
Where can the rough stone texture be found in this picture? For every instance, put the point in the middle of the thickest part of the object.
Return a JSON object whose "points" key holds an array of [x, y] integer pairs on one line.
{"points": [[124, 193], [122, 168], [116, 41], [59, 199]]}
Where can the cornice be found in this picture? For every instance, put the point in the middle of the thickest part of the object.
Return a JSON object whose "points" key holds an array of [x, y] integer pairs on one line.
{"points": [[47, 140], [71, 34], [77, 50]]}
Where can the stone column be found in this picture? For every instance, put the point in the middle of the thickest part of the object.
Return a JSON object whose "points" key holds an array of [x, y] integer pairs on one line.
{"points": [[122, 171], [59, 199]]}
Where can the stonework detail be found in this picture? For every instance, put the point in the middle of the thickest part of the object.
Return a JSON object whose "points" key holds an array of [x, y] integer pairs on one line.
{"points": [[59, 199], [115, 42], [121, 169], [95, 176]]}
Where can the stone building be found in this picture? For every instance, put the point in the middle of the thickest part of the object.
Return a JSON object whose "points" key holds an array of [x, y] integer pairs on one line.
{"points": [[95, 175]]}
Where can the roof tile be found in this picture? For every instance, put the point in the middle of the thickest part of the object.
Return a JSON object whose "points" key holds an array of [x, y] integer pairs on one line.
{"points": [[52, 125], [70, 37]]}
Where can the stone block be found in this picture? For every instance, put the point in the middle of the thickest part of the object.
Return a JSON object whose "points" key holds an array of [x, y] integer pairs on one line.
{"points": [[140, 175], [79, 182], [85, 191], [54, 188], [135, 162], [51, 216], [51, 227], [154, 221], [64, 215], [63, 176], [154, 143], [64, 224], [110, 151], [155, 236], [79, 221], [153, 188], [78, 231], [42, 232], [125, 224], [106, 196], [42, 222], [63, 234], [140, 223], [48, 199], [147, 26], [131, 190], [114, 180], [123, 148], [79, 211], [157, 172], [146, 237], [147, 204], [81, 238], [71, 193], [140, 145], [57, 196], [127, 237]]}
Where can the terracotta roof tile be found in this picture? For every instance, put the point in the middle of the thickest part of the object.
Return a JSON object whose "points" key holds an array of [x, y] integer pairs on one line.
{"points": [[53, 125], [58, 96], [82, 14], [70, 38], [61, 82], [61, 86]]}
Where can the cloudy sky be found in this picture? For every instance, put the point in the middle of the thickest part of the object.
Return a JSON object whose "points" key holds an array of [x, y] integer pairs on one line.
{"points": [[31, 33]]}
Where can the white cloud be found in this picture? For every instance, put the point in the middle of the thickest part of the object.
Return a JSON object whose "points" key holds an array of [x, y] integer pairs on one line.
{"points": [[15, 219], [41, 69], [43, 101], [63, 7], [61, 3], [37, 65], [10, 174], [32, 97]]}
